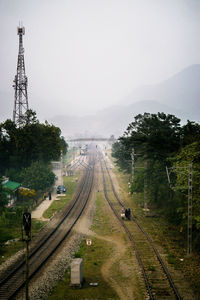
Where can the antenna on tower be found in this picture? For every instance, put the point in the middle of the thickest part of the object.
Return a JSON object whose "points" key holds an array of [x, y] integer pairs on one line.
{"points": [[20, 84]]}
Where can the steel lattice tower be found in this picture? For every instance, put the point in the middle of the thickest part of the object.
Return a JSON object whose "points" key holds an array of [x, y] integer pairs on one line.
{"points": [[20, 84]]}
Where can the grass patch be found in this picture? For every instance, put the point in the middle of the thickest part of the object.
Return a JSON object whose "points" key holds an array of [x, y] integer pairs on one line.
{"points": [[94, 257], [12, 232], [171, 259], [166, 235], [151, 268], [36, 226], [11, 222], [101, 224], [70, 182]]}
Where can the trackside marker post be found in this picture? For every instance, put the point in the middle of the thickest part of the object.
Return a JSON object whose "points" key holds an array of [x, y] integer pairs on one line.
{"points": [[89, 242]]}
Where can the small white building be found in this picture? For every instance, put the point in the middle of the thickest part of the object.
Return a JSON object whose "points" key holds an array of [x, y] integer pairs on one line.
{"points": [[77, 272]]}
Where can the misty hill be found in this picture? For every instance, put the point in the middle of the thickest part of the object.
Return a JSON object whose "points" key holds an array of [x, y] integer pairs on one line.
{"points": [[181, 91], [179, 95], [113, 120]]}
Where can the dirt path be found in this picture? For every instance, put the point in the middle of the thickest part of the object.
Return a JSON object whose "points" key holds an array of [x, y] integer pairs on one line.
{"points": [[124, 292], [121, 269]]}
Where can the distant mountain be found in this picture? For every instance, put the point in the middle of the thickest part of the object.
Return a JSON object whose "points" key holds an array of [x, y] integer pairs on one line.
{"points": [[113, 120], [179, 95], [181, 91]]}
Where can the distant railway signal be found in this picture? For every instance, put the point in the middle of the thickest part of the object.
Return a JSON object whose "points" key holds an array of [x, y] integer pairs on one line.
{"points": [[27, 223]]}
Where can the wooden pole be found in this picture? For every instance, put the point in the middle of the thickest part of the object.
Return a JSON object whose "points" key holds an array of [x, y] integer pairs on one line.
{"points": [[27, 268]]}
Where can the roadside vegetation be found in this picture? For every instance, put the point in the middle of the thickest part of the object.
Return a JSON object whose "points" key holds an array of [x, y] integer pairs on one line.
{"points": [[158, 140], [11, 232], [93, 258], [103, 263], [70, 183], [25, 157], [168, 204], [169, 238]]}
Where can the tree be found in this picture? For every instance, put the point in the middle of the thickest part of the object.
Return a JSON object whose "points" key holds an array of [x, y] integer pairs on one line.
{"points": [[31, 117], [189, 154], [190, 133], [154, 137], [25, 193], [38, 177], [19, 147], [122, 155], [8, 135], [3, 197]]}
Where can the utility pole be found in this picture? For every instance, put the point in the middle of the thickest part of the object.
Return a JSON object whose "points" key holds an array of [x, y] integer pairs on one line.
{"points": [[145, 184], [132, 164], [189, 221], [133, 154], [20, 84], [189, 233], [61, 164], [26, 230]]}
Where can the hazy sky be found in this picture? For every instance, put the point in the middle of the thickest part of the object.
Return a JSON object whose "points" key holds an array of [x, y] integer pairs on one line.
{"points": [[84, 55]]}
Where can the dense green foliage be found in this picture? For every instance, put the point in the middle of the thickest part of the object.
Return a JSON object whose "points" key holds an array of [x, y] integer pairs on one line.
{"points": [[38, 176], [158, 141], [3, 197], [19, 147], [25, 152], [189, 154]]}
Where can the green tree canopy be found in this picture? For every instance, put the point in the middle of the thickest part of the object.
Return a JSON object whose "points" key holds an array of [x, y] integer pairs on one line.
{"points": [[38, 177], [154, 138], [189, 155], [19, 147], [3, 197]]}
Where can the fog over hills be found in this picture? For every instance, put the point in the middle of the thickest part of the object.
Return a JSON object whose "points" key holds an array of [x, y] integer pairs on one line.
{"points": [[182, 91], [179, 95]]}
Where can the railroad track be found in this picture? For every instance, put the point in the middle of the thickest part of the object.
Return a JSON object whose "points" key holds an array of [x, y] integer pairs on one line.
{"points": [[78, 163], [158, 281], [75, 164], [42, 248]]}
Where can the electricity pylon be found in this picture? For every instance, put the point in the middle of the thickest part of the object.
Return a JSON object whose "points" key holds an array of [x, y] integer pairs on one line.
{"points": [[20, 84]]}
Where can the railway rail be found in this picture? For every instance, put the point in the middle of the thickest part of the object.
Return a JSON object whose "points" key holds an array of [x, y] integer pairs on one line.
{"points": [[158, 281], [78, 163], [42, 248]]}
